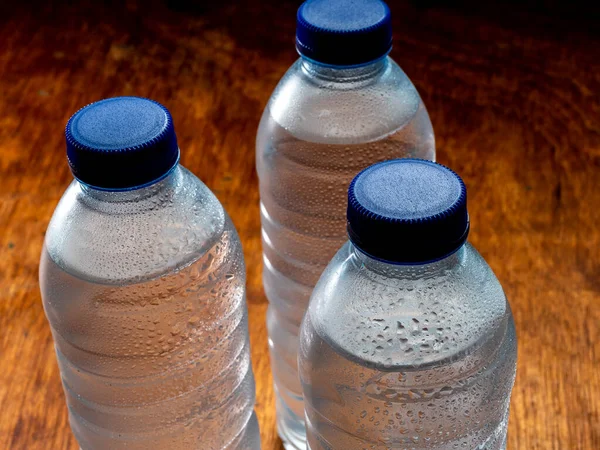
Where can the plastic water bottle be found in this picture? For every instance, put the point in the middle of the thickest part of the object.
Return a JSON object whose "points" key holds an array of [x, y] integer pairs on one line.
{"points": [[341, 107], [408, 341], [143, 283]]}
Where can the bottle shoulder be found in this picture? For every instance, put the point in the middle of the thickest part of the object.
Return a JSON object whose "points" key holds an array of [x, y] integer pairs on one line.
{"points": [[344, 112], [132, 240], [407, 321]]}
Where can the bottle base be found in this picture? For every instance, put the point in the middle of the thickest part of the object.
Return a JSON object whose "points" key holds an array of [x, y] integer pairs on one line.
{"points": [[308, 447], [290, 427]]}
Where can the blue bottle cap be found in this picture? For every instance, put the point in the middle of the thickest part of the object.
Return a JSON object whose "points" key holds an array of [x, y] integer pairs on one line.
{"points": [[407, 211], [344, 32], [121, 143]]}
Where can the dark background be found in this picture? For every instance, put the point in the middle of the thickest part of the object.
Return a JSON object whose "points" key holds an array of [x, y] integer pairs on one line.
{"points": [[512, 89]]}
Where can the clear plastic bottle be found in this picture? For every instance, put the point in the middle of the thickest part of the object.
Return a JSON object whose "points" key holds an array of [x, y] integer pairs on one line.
{"points": [[143, 283], [341, 107], [408, 341]]}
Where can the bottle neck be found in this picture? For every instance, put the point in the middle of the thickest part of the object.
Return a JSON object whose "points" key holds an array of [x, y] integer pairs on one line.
{"points": [[161, 187], [410, 271], [343, 73]]}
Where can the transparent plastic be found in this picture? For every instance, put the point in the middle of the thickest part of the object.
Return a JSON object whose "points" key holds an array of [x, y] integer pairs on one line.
{"points": [[321, 126], [407, 357], [145, 294]]}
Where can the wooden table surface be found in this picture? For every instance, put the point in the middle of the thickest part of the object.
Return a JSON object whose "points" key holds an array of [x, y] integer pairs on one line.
{"points": [[514, 98]]}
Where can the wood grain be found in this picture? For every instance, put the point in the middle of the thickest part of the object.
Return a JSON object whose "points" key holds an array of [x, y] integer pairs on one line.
{"points": [[513, 93]]}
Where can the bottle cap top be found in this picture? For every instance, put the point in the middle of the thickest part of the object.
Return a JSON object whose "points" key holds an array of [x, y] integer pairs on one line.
{"points": [[121, 143], [344, 32], [407, 211]]}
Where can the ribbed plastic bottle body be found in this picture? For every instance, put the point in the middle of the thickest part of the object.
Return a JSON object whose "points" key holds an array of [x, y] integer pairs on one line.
{"points": [[321, 126], [404, 357], [145, 294]]}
